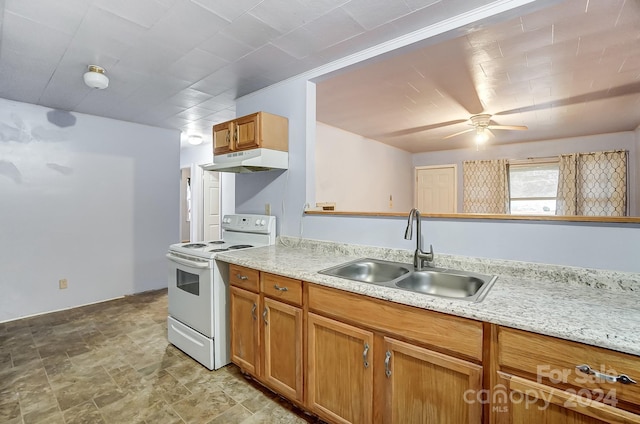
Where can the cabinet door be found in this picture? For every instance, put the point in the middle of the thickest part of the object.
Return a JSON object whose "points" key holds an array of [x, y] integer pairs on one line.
{"points": [[525, 401], [222, 134], [247, 132], [245, 330], [340, 371], [283, 348], [423, 386]]}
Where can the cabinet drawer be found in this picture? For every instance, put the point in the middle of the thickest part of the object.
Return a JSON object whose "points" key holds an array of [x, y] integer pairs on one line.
{"points": [[282, 288], [441, 331], [554, 362], [245, 278]]}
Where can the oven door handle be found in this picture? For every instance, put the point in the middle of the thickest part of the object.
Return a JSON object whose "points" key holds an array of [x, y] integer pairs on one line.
{"points": [[187, 262]]}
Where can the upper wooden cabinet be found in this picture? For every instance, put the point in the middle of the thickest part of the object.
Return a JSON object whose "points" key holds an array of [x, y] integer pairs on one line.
{"points": [[260, 129]]}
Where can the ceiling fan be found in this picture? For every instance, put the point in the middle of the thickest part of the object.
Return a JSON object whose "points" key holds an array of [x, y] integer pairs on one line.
{"points": [[482, 125]]}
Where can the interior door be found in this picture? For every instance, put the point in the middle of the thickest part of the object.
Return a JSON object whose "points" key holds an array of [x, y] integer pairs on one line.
{"points": [[211, 205], [436, 189]]}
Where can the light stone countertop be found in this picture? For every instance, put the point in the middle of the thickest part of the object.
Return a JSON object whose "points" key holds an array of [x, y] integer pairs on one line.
{"points": [[599, 308]]}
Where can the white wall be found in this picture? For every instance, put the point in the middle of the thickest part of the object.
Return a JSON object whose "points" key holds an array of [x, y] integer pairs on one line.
{"points": [[360, 174], [614, 141], [602, 246], [283, 190], [635, 184], [89, 199], [592, 245]]}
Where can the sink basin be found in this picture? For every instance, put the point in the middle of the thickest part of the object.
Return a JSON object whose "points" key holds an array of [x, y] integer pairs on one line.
{"points": [[440, 282], [369, 270]]}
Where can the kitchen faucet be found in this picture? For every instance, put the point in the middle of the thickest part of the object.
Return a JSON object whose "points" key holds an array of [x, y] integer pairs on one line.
{"points": [[419, 257]]}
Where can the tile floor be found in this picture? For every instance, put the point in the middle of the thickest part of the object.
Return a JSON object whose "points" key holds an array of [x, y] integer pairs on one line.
{"points": [[111, 363]]}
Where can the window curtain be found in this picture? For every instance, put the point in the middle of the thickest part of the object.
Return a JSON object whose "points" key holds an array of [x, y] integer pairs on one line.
{"points": [[593, 184], [486, 186]]}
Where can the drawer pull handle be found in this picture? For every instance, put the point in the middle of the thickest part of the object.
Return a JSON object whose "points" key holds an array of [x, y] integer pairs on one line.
{"points": [[622, 378], [277, 287], [364, 355], [241, 277], [253, 312], [264, 316], [387, 368]]}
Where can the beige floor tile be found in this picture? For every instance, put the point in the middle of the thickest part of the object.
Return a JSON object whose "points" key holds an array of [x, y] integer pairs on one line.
{"points": [[111, 363]]}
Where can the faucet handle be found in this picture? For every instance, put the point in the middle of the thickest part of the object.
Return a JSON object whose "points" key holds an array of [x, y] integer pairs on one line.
{"points": [[430, 253]]}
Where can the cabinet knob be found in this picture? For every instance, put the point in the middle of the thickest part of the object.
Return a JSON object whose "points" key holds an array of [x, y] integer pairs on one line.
{"points": [[264, 316], [241, 277], [387, 364], [277, 287], [365, 353], [253, 312], [622, 378]]}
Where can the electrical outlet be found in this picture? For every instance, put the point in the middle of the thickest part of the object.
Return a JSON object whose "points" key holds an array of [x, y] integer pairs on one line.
{"points": [[62, 283], [267, 209]]}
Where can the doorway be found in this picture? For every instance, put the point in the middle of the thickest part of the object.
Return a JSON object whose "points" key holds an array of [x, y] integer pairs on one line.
{"points": [[436, 188], [211, 205], [185, 205]]}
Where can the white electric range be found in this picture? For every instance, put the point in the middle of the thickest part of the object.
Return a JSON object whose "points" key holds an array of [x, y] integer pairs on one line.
{"points": [[198, 288]]}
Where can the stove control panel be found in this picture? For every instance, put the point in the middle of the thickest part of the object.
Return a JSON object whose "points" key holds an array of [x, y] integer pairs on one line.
{"points": [[264, 224]]}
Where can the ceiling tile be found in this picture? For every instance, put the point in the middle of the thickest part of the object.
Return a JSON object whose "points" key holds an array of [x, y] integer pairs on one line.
{"points": [[142, 12], [64, 16], [250, 31], [185, 26], [193, 113], [22, 77], [22, 34], [225, 47], [195, 65], [188, 98], [287, 15], [230, 10]]}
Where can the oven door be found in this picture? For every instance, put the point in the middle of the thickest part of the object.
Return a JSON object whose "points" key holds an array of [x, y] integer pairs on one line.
{"points": [[191, 292]]}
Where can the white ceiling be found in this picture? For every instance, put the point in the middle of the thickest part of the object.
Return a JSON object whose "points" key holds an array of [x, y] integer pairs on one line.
{"points": [[181, 63], [568, 70]]}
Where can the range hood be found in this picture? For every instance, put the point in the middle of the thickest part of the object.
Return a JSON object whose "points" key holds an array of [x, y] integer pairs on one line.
{"points": [[254, 160]]}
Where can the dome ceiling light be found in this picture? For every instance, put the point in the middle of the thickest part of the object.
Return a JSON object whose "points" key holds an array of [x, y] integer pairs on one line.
{"points": [[95, 77], [194, 139]]}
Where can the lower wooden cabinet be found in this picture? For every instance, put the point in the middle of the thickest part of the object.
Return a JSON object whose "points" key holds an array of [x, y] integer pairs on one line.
{"points": [[525, 401], [282, 329], [267, 334], [245, 330], [542, 379], [423, 386], [340, 371], [349, 358]]}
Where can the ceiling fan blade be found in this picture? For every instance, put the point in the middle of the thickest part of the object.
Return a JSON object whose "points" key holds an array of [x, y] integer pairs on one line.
{"points": [[423, 128], [458, 133], [623, 90], [508, 127]]}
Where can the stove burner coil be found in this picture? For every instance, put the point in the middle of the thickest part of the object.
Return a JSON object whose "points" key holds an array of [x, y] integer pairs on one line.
{"points": [[218, 250], [240, 246], [194, 245], [217, 242]]}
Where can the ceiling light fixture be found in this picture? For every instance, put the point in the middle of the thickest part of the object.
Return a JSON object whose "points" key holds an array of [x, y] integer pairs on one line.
{"points": [[95, 77], [194, 139]]}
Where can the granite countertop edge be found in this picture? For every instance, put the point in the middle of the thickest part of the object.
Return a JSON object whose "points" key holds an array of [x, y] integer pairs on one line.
{"points": [[582, 313]]}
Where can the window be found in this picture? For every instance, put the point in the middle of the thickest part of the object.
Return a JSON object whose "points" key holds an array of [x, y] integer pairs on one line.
{"points": [[533, 187]]}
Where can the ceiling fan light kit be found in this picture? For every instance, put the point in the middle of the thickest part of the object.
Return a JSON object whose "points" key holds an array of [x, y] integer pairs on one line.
{"points": [[482, 125], [95, 77]]}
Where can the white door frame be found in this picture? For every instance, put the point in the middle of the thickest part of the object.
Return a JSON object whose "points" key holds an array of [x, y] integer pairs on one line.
{"points": [[455, 182]]}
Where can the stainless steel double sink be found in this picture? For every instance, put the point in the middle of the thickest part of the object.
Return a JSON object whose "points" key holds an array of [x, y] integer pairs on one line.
{"points": [[449, 283]]}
